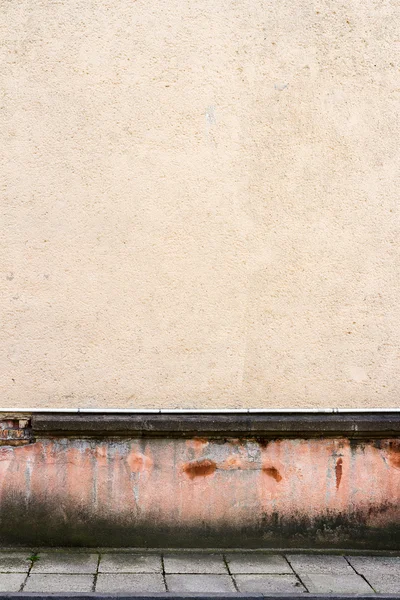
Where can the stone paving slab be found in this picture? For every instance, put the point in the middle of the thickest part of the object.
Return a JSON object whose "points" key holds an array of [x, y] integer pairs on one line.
{"points": [[15, 562], [365, 565], [187, 572], [55, 582], [269, 584], [388, 583], [65, 562], [257, 563], [195, 563], [306, 563], [209, 583], [11, 582], [326, 583], [130, 563], [130, 582]]}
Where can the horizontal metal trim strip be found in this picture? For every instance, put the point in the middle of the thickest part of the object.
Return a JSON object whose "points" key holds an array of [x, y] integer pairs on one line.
{"points": [[197, 411]]}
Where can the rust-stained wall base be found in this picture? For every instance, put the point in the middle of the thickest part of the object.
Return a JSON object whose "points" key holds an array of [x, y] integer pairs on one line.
{"points": [[185, 490]]}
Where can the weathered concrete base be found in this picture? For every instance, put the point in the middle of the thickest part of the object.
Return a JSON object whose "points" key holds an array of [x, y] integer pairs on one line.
{"points": [[42, 525], [201, 492]]}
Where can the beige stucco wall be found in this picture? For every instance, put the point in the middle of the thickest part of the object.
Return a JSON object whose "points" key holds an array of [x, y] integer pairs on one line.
{"points": [[200, 203]]}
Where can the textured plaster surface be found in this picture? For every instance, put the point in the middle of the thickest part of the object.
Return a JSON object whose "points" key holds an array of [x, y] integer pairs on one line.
{"points": [[199, 203]]}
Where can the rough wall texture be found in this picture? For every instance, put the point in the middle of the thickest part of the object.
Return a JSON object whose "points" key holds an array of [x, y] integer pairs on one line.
{"points": [[199, 204], [202, 492]]}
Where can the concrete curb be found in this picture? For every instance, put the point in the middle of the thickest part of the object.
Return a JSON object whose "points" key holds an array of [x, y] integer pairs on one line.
{"points": [[191, 596], [357, 425]]}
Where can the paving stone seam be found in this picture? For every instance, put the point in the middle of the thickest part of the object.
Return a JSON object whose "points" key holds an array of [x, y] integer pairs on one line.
{"points": [[360, 574], [163, 572], [230, 573], [34, 553], [296, 574], [96, 573]]}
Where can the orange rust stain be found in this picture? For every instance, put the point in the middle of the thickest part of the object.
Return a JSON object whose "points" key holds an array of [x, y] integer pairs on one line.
{"points": [[100, 453], [395, 461], [273, 472], [199, 468], [339, 472], [394, 454], [139, 462]]}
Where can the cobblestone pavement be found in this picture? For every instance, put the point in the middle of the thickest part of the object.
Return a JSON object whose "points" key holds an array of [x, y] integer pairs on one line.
{"points": [[50, 570]]}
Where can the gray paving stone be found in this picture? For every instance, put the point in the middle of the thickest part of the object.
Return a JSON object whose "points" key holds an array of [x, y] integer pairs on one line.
{"points": [[59, 583], [321, 563], [130, 563], [268, 584], [11, 582], [15, 562], [388, 583], [65, 562], [254, 562], [327, 583], [200, 583], [130, 582], [194, 563], [365, 565]]}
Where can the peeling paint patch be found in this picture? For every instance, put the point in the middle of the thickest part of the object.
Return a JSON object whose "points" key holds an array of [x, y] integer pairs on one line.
{"points": [[232, 463], [139, 462], [197, 444]]}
